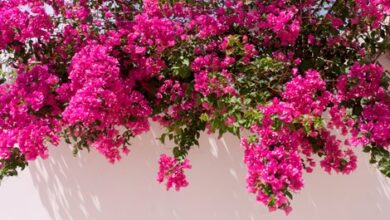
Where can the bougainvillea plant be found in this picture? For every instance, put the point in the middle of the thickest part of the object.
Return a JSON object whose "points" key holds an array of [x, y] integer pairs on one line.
{"points": [[293, 73]]}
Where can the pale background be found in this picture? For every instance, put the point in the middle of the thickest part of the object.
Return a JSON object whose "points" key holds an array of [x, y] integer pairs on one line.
{"points": [[88, 188]]}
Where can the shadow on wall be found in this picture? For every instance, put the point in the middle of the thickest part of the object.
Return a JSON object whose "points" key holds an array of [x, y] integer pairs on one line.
{"points": [[90, 188]]}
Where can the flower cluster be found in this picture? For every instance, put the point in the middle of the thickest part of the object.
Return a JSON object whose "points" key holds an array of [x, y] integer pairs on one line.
{"points": [[297, 74], [28, 107], [274, 167], [172, 170], [362, 81], [23, 20], [103, 100], [290, 134]]}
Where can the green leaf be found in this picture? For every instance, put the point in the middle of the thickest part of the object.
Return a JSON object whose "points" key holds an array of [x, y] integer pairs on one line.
{"points": [[288, 194], [204, 117]]}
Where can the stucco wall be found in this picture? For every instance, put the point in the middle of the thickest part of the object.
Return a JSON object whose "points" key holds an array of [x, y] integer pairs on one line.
{"points": [[67, 188]]}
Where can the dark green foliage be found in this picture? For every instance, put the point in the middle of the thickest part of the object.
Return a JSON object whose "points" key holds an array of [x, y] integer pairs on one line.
{"points": [[10, 166], [379, 156]]}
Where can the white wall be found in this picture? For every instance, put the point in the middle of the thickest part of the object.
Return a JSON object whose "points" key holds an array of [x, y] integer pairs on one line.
{"points": [[67, 188]]}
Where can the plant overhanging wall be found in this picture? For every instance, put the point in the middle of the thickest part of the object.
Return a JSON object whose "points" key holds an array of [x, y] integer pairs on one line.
{"points": [[292, 72]]}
